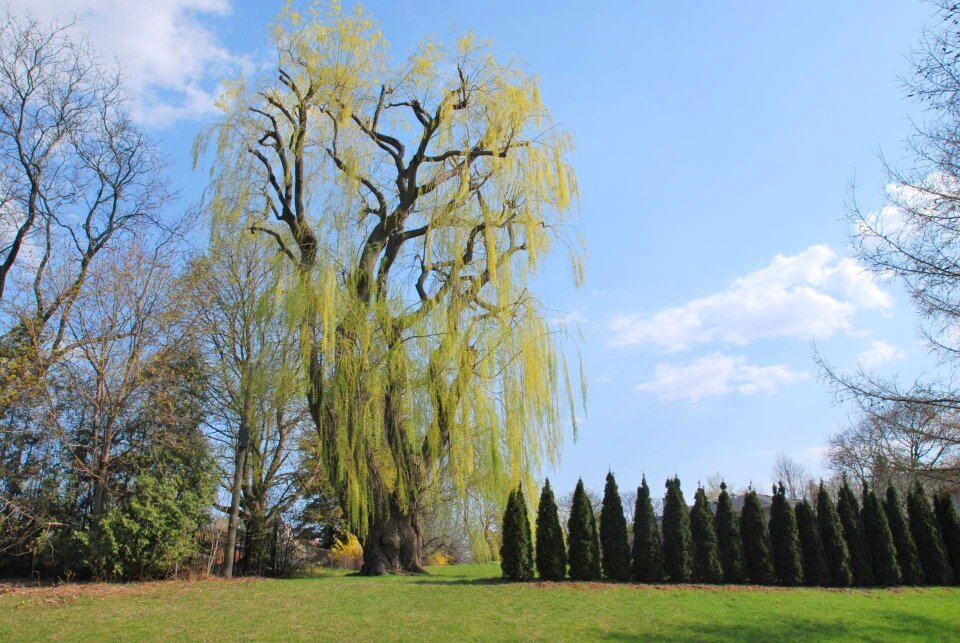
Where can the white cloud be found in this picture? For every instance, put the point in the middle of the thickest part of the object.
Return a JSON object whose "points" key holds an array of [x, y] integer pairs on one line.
{"points": [[717, 374], [171, 59], [879, 353], [813, 294]]}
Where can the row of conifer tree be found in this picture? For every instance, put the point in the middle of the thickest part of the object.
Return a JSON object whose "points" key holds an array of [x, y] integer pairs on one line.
{"points": [[850, 542]]}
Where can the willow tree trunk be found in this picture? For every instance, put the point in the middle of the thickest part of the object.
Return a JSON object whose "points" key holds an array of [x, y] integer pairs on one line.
{"points": [[394, 544]]}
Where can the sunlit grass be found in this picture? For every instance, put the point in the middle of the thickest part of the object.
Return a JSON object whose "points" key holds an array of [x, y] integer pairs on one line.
{"points": [[469, 602]]}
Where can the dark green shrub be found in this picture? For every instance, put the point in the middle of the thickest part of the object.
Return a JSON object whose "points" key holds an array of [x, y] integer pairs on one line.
{"points": [[785, 540], [582, 547], [551, 553], [907, 556], [728, 538], [811, 549], [614, 545], [883, 553], [647, 552], [677, 542], [706, 558], [926, 534], [861, 563], [756, 541]]}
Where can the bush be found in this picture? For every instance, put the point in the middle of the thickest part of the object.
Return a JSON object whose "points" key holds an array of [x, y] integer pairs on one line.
{"points": [[615, 548], [907, 556], [883, 552], [861, 563], [151, 533], [677, 541], [835, 550], [582, 543], [647, 552], [729, 544], [347, 553], [811, 549], [756, 541], [516, 550], [785, 540], [706, 558], [551, 554], [950, 530], [926, 533]]}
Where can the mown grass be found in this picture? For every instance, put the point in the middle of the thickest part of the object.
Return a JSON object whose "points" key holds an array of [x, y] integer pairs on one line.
{"points": [[469, 603]]}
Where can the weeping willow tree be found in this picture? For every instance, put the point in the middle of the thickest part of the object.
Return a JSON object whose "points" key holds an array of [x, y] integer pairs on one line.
{"points": [[415, 204]]}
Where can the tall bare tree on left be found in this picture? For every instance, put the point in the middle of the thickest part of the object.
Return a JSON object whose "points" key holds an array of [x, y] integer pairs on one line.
{"points": [[76, 174]]}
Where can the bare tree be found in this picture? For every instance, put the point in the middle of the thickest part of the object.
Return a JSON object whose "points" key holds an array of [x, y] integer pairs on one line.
{"points": [[899, 444], [792, 474], [75, 174]]}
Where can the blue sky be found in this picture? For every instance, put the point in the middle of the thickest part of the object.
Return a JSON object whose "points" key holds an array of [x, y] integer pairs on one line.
{"points": [[715, 147]]}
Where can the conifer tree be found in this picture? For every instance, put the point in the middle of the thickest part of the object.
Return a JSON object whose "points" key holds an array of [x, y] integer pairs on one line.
{"points": [[677, 545], [756, 541], [551, 555], [581, 530], [835, 550], [883, 553], [785, 540], [907, 555], [647, 554], [595, 572], [728, 538], [926, 534], [811, 549], [614, 545], [949, 523], [706, 557], [516, 560], [853, 532]]}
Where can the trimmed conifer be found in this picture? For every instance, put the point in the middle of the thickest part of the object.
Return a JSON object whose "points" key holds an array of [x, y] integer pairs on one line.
{"points": [[926, 534], [706, 557], [883, 553], [785, 540], [677, 544], [551, 555], [811, 549], [728, 538], [647, 553], [581, 554], [949, 523], [907, 555], [835, 550], [516, 559], [756, 541], [861, 563], [614, 545], [595, 545]]}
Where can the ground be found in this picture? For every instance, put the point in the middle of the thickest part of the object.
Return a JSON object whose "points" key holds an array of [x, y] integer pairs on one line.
{"points": [[468, 602]]}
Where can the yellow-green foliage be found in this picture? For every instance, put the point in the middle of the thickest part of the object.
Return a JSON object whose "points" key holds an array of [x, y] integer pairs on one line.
{"points": [[436, 360]]}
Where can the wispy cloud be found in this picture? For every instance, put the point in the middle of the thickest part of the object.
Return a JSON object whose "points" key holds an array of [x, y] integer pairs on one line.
{"points": [[813, 294], [717, 374], [878, 354], [171, 58]]}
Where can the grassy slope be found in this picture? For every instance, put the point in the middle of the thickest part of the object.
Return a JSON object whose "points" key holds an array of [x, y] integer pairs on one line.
{"points": [[466, 602]]}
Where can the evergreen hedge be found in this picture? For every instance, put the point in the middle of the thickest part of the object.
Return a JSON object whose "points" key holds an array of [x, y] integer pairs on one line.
{"points": [[785, 540], [883, 552], [614, 545], [811, 548], [551, 555], [756, 541], [949, 523], [728, 538], [647, 552], [861, 563], [926, 534], [677, 543], [582, 550], [516, 551], [907, 556], [706, 557], [835, 550]]}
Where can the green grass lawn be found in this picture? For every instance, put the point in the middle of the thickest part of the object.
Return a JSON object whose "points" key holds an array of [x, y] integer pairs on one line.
{"points": [[468, 602]]}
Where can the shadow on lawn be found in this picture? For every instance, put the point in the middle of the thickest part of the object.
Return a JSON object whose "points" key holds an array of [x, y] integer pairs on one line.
{"points": [[461, 580], [778, 627]]}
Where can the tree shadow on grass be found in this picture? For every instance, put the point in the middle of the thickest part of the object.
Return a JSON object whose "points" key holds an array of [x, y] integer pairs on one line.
{"points": [[895, 625]]}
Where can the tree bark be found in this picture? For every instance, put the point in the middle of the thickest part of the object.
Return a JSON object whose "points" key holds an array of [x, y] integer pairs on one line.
{"points": [[394, 544]]}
